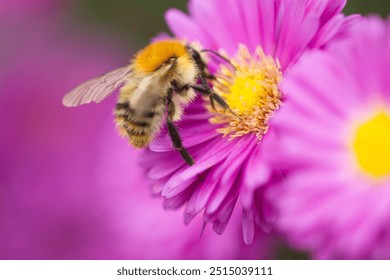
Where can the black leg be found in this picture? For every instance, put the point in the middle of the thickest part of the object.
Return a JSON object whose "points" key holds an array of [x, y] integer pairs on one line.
{"points": [[204, 88], [220, 56], [212, 103], [176, 140], [209, 76], [181, 90], [207, 91]]}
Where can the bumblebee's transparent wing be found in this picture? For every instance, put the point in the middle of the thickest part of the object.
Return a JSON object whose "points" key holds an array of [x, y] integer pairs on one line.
{"points": [[97, 88]]}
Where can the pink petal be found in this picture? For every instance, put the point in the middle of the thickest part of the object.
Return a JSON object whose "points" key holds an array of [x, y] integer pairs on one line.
{"points": [[184, 27], [248, 226], [228, 172], [210, 157]]}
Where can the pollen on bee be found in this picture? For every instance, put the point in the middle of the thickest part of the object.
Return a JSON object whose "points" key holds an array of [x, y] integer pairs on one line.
{"points": [[153, 56], [139, 141]]}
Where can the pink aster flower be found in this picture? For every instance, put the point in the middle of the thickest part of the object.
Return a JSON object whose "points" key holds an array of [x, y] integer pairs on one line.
{"points": [[335, 134], [70, 188], [263, 40]]}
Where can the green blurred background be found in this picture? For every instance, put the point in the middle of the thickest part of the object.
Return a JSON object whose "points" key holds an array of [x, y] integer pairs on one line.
{"points": [[137, 21]]}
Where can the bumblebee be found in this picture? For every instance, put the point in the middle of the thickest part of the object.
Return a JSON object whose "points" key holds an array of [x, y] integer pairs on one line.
{"points": [[158, 82]]}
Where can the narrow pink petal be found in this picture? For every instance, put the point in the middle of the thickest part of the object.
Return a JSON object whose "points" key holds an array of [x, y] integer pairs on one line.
{"points": [[234, 20], [266, 23], [256, 171], [226, 212], [184, 27], [190, 137], [180, 199], [229, 170], [295, 31], [166, 166], [157, 186], [171, 190], [221, 218], [327, 31], [316, 7], [216, 27], [250, 14], [333, 8], [248, 226], [202, 194], [211, 156]]}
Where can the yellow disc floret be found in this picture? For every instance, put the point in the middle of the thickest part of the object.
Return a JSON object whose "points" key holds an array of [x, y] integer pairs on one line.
{"points": [[250, 87], [153, 56], [371, 145], [244, 93]]}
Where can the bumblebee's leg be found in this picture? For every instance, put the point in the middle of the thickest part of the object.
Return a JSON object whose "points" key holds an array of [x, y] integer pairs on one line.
{"points": [[176, 140], [181, 90], [209, 76], [200, 63], [220, 56], [204, 89], [207, 91]]}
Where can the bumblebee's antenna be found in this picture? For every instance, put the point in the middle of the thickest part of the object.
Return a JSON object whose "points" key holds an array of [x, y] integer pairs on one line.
{"points": [[220, 56]]}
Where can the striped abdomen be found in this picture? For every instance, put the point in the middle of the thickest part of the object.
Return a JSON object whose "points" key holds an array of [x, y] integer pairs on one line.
{"points": [[139, 127]]}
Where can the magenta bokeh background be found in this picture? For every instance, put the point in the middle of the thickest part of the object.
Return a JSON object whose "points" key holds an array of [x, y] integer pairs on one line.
{"points": [[70, 188]]}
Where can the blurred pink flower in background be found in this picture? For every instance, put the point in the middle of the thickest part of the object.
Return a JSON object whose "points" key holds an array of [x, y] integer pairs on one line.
{"points": [[334, 146], [70, 188], [274, 34], [19, 9]]}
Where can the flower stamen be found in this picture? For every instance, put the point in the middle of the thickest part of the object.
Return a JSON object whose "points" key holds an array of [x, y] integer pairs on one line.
{"points": [[250, 88]]}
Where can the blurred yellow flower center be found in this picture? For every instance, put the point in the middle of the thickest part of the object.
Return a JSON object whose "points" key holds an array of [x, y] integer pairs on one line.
{"points": [[250, 87], [372, 145]]}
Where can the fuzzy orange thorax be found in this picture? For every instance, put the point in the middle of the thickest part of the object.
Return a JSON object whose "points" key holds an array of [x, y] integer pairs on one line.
{"points": [[153, 56]]}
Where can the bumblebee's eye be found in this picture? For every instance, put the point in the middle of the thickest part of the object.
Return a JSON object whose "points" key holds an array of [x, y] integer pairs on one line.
{"points": [[196, 55], [193, 53], [197, 58]]}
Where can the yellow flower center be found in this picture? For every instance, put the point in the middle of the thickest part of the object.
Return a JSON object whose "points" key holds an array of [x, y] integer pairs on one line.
{"points": [[371, 145], [250, 87]]}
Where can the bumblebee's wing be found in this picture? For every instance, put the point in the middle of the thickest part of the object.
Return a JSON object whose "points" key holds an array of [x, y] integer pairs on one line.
{"points": [[97, 88]]}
